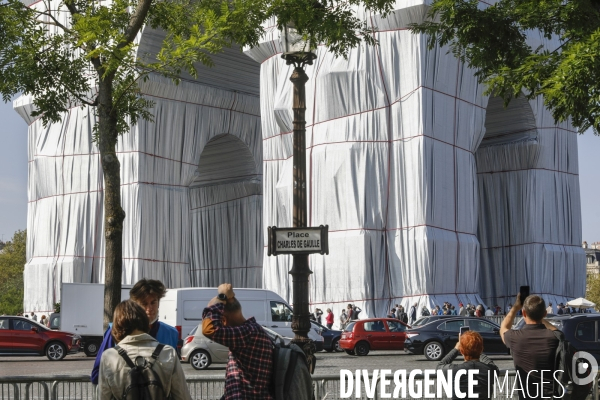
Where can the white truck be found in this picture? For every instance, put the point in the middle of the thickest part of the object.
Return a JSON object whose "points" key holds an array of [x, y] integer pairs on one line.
{"points": [[82, 312], [182, 308]]}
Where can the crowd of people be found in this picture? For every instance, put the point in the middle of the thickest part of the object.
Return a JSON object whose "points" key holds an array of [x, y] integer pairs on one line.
{"points": [[43, 319], [136, 334]]}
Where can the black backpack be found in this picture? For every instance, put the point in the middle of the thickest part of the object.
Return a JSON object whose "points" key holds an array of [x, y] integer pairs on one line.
{"points": [[142, 382], [291, 377]]}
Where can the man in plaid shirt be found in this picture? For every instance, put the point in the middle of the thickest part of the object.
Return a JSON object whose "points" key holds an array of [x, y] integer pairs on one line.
{"points": [[250, 364]]}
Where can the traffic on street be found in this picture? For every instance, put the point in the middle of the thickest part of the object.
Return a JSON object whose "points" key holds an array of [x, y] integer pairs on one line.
{"points": [[327, 363]]}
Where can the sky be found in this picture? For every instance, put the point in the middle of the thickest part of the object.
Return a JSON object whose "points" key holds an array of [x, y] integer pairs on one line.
{"points": [[13, 177]]}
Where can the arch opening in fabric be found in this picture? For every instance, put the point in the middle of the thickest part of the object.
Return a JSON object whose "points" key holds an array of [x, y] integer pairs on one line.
{"points": [[225, 159], [225, 200], [513, 123]]}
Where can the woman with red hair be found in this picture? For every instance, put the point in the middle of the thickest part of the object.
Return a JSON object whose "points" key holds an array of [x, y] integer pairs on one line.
{"points": [[470, 345]]}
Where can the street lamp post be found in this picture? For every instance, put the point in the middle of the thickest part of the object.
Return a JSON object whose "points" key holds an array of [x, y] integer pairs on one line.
{"points": [[297, 51]]}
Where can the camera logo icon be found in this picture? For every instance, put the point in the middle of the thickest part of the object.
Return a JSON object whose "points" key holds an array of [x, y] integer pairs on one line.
{"points": [[585, 367]]}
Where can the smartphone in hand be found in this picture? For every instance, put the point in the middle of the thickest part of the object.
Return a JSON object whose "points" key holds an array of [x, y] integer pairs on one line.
{"points": [[524, 291], [463, 329]]}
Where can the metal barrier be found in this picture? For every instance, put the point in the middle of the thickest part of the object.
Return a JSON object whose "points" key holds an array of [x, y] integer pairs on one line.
{"points": [[56, 387], [499, 318], [79, 387]]}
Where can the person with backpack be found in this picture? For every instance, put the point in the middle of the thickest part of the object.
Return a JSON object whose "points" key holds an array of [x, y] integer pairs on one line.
{"points": [[533, 347], [250, 367], [147, 293], [138, 367]]}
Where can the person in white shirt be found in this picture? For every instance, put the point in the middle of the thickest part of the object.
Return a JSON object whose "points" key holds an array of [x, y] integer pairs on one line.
{"points": [[130, 330], [489, 312], [549, 309]]}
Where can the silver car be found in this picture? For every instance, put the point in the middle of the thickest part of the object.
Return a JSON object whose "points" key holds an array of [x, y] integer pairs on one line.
{"points": [[200, 351]]}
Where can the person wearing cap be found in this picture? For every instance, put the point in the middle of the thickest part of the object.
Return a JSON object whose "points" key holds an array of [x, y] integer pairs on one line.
{"points": [[462, 311]]}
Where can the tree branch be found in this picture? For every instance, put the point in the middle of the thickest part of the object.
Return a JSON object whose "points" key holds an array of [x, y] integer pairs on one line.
{"points": [[55, 23], [71, 7], [136, 22], [128, 87]]}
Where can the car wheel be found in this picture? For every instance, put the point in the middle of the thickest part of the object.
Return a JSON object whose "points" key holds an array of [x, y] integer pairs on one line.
{"points": [[434, 351], [91, 349], [56, 351], [336, 346], [362, 349], [350, 352], [200, 359]]}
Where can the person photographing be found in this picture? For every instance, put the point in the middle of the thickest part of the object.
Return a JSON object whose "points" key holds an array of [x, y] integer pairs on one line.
{"points": [[533, 347], [470, 345], [250, 365]]}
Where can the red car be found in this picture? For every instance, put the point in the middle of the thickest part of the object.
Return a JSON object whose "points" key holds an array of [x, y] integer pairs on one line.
{"points": [[365, 335], [22, 336]]}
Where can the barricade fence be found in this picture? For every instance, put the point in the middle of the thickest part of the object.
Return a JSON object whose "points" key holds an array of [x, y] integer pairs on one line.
{"points": [[326, 387]]}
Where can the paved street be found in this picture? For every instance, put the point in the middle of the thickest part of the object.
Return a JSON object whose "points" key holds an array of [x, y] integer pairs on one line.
{"points": [[327, 363]]}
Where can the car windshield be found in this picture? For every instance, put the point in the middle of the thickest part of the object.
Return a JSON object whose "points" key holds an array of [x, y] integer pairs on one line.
{"points": [[37, 324], [319, 326], [556, 322], [26, 325], [350, 327], [272, 334]]}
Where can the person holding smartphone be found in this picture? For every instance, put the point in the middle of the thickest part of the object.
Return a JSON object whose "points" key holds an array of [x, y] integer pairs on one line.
{"points": [[470, 345], [533, 347]]}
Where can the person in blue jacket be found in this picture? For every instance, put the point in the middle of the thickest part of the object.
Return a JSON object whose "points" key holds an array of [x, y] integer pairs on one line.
{"points": [[147, 293]]}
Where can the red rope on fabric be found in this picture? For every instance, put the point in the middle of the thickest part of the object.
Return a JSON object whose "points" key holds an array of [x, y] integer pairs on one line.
{"points": [[118, 152], [528, 243], [220, 268], [527, 169], [100, 257], [226, 201], [122, 184]]}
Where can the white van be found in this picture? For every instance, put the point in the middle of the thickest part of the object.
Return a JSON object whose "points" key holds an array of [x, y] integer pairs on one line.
{"points": [[182, 308]]}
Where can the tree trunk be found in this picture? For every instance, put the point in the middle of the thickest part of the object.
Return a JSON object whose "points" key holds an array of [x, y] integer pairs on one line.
{"points": [[113, 212]]}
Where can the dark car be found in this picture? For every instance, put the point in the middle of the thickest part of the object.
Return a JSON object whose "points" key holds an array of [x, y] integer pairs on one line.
{"points": [[360, 337], [521, 322], [331, 338], [581, 330], [435, 339], [425, 320], [22, 336]]}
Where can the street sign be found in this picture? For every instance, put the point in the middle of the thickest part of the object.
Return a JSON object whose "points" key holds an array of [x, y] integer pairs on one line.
{"points": [[298, 240]]}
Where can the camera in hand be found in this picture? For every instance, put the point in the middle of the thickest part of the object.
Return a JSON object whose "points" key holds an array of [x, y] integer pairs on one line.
{"points": [[524, 291]]}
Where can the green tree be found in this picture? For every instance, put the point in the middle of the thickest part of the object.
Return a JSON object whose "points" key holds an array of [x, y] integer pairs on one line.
{"points": [[12, 263], [593, 289], [83, 53], [492, 40]]}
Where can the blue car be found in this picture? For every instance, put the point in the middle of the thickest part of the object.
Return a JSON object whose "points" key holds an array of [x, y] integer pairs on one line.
{"points": [[331, 338]]}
